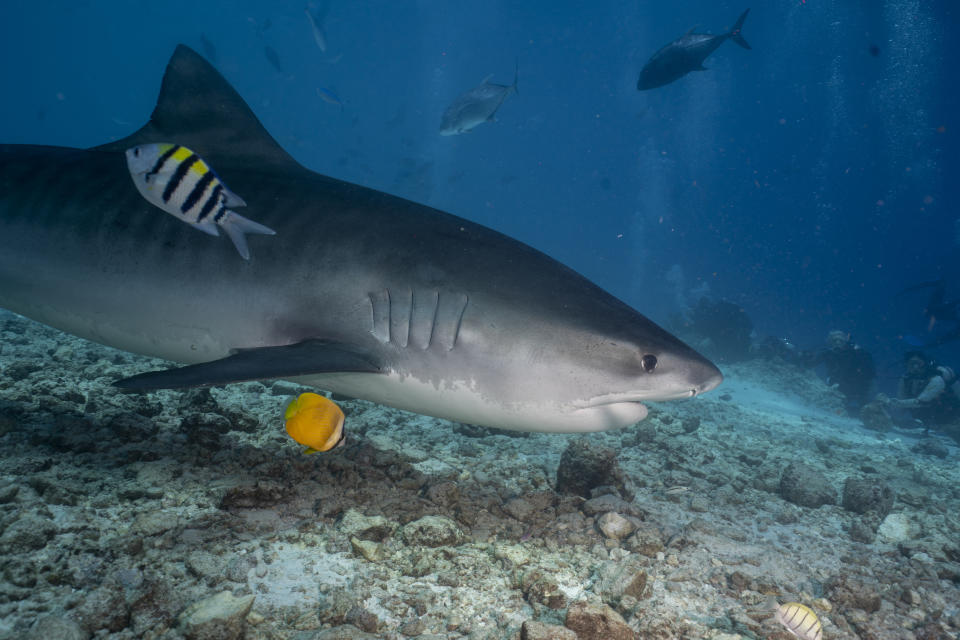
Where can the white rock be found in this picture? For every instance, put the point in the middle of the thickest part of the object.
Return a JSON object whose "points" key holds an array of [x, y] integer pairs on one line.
{"points": [[219, 617], [896, 527], [614, 526]]}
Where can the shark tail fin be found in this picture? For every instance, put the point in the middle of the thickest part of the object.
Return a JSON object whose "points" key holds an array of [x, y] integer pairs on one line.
{"points": [[735, 34], [237, 227]]}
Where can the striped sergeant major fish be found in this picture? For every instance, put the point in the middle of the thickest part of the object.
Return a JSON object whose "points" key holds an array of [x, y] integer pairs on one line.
{"points": [[177, 180]]}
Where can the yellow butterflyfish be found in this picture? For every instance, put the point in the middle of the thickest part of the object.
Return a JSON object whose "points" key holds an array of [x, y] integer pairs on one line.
{"points": [[315, 422]]}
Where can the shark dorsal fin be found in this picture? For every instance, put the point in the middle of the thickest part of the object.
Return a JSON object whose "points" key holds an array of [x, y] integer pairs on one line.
{"points": [[198, 109]]}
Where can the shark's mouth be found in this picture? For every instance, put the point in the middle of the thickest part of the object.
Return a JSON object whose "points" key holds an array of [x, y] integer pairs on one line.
{"points": [[636, 398]]}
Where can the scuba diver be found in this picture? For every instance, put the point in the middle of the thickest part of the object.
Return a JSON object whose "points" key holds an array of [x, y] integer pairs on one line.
{"points": [[938, 312], [930, 393], [848, 366]]}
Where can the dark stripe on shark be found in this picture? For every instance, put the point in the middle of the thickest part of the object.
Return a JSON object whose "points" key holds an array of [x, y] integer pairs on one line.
{"points": [[211, 201], [179, 175], [197, 192], [162, 160]]}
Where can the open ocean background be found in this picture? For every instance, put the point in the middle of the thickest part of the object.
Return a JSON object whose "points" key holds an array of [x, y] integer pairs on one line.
{"points": [[807, 180]]}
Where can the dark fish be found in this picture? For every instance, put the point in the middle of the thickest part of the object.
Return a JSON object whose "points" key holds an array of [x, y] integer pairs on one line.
{"points": [[874, 50], [272, 57], [208, 49], [686, 54]]}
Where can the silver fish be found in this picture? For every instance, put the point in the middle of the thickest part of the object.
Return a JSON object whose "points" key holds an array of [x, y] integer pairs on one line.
{"points": [[316, 26], [476, 106]]}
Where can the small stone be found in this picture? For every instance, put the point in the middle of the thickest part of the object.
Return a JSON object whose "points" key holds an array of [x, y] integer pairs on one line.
{"points": [[444, 494], [647, 541], [433, 531], [895, 528], [205, 565], [413, 628], [605, 503], [585, 465], [851, 592], [238, 567], [372, 551], [363, 619], [931, 447], [346, 632], [526, 507], [533, 630], [804, 485], [103, 608], [356, 525], [29, 533], [219, 617], [153, 523], [861, 495], [9, 493], [597, 622], [637, 586], [615, 526], [50, 627]]}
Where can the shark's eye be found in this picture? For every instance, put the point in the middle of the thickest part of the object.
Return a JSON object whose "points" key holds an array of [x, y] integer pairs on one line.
{"points": [[649, 363]]}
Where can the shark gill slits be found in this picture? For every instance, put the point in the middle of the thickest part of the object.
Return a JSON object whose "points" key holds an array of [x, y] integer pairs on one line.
{"points": [[648, 362], [197, 192], [178, 176], [211, 201]]}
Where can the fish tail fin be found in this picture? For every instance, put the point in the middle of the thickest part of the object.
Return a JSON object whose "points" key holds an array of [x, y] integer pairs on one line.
{"points": [[237, 227], [516, 75], [735, 34]]}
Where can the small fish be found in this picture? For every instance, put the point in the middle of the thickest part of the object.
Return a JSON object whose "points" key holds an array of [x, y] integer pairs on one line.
{"points": [[476, 106], [316, 26], [329, 97], [686, 54], [315, 422], [177, 180], [800, 620], [272, 57]]}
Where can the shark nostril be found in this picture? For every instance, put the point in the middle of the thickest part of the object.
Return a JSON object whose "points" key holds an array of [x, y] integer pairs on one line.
{"points": [[649, 363]]}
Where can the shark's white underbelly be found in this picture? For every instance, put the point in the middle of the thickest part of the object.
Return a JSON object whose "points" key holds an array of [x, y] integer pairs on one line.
{"points": [[461, 402]]}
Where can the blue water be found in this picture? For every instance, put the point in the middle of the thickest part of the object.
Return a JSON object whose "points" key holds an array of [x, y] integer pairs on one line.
{"points": [[806, 180]]}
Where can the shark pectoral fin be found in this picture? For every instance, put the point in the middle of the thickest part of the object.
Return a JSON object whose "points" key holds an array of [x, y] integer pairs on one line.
{"points": [[262, 363]]}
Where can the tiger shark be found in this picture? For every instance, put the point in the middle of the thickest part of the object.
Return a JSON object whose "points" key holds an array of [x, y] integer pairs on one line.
{"points": [[359, 292]]}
